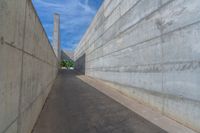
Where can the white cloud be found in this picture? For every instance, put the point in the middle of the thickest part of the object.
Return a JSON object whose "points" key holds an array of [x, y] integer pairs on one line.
{"points": [[75, 16]]}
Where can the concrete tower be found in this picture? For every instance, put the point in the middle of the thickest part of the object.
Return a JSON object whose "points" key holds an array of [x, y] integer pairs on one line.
{"points": [[56, 36]]}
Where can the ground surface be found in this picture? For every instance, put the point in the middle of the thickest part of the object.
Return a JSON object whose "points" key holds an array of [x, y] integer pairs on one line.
{"points": [[75, 107]]}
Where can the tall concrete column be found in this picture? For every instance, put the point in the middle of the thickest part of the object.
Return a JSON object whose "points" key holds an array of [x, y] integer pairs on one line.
{"points": [[56, 36]]}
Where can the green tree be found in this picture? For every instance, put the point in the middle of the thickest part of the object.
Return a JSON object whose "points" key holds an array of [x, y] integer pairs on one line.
{"points": [[67, 63]]}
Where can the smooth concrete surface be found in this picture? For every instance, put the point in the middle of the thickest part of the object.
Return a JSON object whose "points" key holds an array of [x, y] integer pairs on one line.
{"points": [[148, 50], [28, 66], [74, 106]]}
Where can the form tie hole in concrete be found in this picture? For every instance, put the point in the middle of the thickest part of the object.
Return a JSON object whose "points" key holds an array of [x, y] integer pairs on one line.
{"points": [[2, 40]]}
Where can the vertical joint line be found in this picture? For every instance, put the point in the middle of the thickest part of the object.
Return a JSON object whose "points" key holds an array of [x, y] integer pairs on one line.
{"points": [[21, 77], [161, 28]]}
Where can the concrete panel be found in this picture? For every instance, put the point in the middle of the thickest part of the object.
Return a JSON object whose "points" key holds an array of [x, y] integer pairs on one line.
{"points": [[30, 115], [149, 29], [115, 15], [187, 45], [110, 7], [135, 15], [183, 110], [148, 50], [8, 20], [27, 66], [9, 84], [126, 5], [179, 13], [12, 128], [31, 86]]}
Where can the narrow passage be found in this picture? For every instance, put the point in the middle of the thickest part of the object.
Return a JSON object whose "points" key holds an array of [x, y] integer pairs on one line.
{"points": [[75, 107]]}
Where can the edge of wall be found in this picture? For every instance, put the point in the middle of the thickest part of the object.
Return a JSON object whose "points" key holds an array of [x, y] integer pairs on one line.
{"points": [[43, 28]]}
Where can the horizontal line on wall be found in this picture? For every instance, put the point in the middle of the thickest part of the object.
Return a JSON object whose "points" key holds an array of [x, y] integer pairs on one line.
{"points": [[5, 130], [152, 68], [181, 28], [162, 94], [11, 45], [152, 12]]}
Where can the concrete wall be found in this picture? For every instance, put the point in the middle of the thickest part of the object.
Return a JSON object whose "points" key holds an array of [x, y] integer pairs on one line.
{"points": [[28, 66], [149, 50]]}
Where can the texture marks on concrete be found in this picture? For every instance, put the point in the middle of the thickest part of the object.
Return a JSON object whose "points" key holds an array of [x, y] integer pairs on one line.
{"points": [[76, 107], [148, 49], [28, 66]]}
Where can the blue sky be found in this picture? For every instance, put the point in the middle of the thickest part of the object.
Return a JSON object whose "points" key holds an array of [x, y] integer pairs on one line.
{"points": [[75, 17]]}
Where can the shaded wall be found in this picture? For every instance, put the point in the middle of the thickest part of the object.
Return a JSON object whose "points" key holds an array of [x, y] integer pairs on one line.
{"points": [[149, 50], [80, 64], [28, 66], [67, 55]]}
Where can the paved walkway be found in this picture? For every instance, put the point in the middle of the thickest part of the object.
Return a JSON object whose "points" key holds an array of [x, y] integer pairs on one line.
{"points": [[75, 107]]}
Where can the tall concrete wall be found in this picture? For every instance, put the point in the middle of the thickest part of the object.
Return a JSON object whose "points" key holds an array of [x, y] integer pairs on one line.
{"points": [[28, 66], [149, 50]]}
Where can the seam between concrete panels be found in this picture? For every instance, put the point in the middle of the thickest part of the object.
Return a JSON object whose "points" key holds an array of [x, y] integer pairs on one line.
{"points": [[128, 28], [155, 68], [37, 58], [93, 23], [88, 30], [50, 84], [112, 24], [118, 5], [162, 65], [28, 106], [16, 19], [21, 78], [11, 45], [106, 18], [120, 13], [156, 37], [161, 29], [5, 130], [42, 92], [125, 30], [104, 8]]}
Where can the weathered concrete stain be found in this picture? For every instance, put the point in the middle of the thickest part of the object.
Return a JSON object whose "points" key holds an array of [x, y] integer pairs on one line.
{"points": [[3, 7]]}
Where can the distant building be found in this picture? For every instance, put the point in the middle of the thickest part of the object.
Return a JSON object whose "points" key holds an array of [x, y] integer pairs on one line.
{"points": [[67, 55]]}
